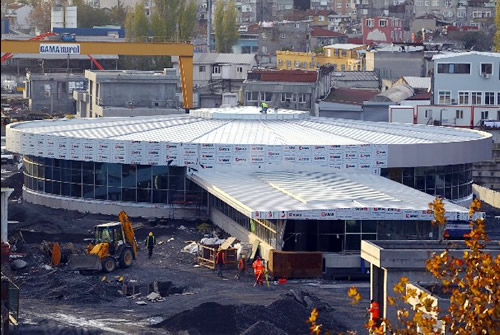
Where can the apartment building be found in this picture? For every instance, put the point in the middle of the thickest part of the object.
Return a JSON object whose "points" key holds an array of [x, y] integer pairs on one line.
{"points": [[467, 78]]}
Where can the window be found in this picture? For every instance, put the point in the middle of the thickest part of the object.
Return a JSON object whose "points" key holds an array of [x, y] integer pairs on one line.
{"points": [[419, 3], [435, 3], [322, 18], [296, 63], [382, 23], [282, 36], [288, 63], [460, 68], [486, 68], [447, 3], [489, 98], [463, 98], [484, 115], [344, 53], [335, 52], [287, 97], [239, 69], [301, 97], [252, 96], [266, 96], [444, 97], [342, 67], [215, 69], [339, 4], [369, 23], [280, 62], [202, 68], [476, 98], [459, 114]]}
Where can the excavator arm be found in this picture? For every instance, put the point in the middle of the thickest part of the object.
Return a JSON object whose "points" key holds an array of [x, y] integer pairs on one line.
{"points": [[128, 230]]}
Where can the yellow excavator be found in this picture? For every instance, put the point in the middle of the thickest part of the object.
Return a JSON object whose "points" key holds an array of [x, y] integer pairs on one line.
{"points": [[114, 245]]}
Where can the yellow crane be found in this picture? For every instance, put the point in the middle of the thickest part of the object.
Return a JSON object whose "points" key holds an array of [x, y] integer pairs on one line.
{"points": [[183, 50]]}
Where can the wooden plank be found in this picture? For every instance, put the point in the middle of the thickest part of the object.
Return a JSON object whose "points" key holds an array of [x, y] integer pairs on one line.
{"points": [[255, 246], [227, 243]]}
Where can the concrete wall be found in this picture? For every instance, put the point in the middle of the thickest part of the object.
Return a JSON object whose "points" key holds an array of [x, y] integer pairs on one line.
{"points": [[491, 197], [393, 65], [289, 35], [234, 229], [112, 207], [51, 92], [143, 94]]}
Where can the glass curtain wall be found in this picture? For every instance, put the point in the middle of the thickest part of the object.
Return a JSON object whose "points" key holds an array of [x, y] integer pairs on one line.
{"points": [[451, 181], [110, 181]]}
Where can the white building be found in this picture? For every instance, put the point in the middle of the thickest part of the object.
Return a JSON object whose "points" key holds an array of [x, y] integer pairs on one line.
{"points": [[283, 179], [467, 78]]}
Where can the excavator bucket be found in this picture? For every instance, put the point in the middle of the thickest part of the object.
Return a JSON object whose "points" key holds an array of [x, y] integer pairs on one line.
{"points": [[84, 263]]}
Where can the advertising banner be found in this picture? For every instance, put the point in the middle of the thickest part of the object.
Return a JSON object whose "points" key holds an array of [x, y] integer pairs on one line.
{"points": [[241, 155], [153, 153], [137, 152], [171, 153], [32, 139], [380, 155], [103, 153], [190, 154], [62, 145], [75, 149], [89, 150], [40, 147], [50, 147], [119, 152], [303, 155]]}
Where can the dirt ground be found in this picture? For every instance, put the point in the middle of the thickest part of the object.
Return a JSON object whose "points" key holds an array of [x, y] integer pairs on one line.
{"points": [[58, 301]]}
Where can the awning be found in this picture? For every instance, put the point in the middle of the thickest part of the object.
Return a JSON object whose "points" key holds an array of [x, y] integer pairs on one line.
{"points": [[321, 196]]}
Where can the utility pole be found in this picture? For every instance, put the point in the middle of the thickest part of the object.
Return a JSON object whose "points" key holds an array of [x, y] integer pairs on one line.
{"points": [[209, 23]]}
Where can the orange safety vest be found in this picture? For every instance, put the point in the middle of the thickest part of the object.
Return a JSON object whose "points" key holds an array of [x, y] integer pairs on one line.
{"points": [[374, 310], [219, 257], [258, 267]]}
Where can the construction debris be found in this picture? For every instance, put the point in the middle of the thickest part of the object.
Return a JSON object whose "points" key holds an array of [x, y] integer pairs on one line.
{"points": [[153, 296], [18, 264], [141, 302]]}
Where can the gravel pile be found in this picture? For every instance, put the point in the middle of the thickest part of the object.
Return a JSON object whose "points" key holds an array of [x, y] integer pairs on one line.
{"points": [[286, 315]]}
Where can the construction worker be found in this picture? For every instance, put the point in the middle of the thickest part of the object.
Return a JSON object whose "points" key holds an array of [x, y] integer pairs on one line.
{"points": [[242, 267], [219, 261], [258, 270], [264, 107], [374, 314], [150, 243]]}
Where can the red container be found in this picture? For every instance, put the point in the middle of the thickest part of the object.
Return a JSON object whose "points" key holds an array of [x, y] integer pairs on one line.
{"points": [[5, 251], [282, 281]]}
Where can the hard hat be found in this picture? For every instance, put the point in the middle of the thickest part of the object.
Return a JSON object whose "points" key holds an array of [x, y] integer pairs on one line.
{"points": [[220, 249], [243, 256], [150, 233]]}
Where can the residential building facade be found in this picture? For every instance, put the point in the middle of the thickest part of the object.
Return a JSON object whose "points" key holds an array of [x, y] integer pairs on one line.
{"points": [[284, 89], [382, 30], [468, 78], [285, 35], [51, 93], [342, 57], [128, 93]]}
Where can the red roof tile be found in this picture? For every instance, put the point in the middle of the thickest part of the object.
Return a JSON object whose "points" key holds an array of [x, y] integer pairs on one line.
{"points": [[320, 32], [351, 96], [355, 40], [297, 76]]}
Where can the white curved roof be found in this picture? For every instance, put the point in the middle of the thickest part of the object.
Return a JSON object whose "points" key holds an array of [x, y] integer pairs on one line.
{"points": [[215, 131]]}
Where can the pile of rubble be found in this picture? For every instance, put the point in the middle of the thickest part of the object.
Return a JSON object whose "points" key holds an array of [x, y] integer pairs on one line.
{"points": [[286, 315]]}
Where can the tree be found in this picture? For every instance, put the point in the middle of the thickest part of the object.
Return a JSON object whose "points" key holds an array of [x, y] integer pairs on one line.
{"points": [[225, 26], [218, 27], [118, 14], [141, 23], [40, 15], [89, 16], [129, 26], [476, 40], [497, 23], [187, 21], [472, 281]]}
